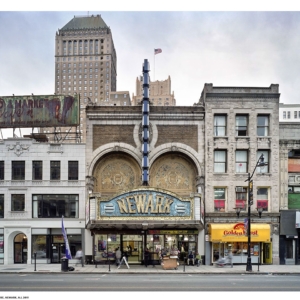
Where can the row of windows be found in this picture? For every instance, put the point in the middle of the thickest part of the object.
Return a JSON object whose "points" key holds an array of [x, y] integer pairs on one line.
{"points": [[80, 88], [241, 125], [241, 161], [81, 76], [287, 114], [79, 82], [241, 198], [80, 58], [79, 70], [44, 206], [80, 41], [18, 170], [85, 65], [85, 52]]}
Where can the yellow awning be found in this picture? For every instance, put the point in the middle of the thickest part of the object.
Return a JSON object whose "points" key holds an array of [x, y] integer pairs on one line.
{"points": [[235, 232]]}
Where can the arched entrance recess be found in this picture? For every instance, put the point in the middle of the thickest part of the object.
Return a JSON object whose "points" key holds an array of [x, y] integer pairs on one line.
{"points": [[116, 172], [20, 249], [175, 172]]}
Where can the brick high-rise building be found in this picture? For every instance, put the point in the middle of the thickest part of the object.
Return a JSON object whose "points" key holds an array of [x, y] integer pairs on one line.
{"points": [[159, 93], [85, 64]]}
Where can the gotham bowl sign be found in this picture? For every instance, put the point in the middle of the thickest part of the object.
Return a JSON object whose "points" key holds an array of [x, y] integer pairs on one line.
{"points": [[39, 111], [145, 204]]}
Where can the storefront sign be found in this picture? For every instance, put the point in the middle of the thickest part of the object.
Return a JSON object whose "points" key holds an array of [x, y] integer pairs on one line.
{"points": [[238, 232], [146, 203]]}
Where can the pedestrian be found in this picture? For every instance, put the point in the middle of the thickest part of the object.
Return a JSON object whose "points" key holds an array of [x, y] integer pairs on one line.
{"points": [[230, 258], [118, 256], [198, 259], [146, 257], [79, 256]]}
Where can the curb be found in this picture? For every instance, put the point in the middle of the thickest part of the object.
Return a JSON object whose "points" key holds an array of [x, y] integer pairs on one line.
{"points": [[156, 273]]}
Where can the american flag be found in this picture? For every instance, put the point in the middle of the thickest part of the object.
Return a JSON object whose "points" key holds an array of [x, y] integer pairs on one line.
{"points": [[157, 51]]}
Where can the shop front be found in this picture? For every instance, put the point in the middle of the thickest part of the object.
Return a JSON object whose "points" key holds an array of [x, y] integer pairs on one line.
{"points": [[233, 237], [133, 243], [146, 218]]}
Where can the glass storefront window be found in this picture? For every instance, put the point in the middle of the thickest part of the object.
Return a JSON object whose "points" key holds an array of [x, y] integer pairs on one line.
{"points": [[238, 249], [1, 247], [39, 246], [158, 242], [113, 242]]}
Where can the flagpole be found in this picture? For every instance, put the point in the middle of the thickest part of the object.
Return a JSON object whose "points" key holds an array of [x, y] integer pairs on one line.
{"points": [[154, 67]]}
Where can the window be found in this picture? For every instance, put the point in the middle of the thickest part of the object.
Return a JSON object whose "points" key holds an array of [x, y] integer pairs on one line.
{"points": [[241, 122], [288, 114], [2, 206], [73, 170], [55, 206], [263, 169], [262, 198], [54, 170], [219, 199], [295, 114], [2, 170], [18, 170], [263, 125], [219, 125], [241, 197], [220, 161], [241, 161], [294, 197], [37, 170], [17, 202]]}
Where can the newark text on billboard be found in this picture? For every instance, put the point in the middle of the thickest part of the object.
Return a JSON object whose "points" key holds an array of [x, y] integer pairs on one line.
{"points": [[39, 111]]}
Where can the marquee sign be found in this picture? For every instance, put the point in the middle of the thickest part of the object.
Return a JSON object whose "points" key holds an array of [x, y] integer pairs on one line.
{"points": [[145, 203]]}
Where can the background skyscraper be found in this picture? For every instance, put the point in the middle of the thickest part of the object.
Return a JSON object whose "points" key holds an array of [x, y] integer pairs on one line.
{"points": [[85, 64]]}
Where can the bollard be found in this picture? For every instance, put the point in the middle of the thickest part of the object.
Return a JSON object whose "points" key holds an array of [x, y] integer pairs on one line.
{"points": [[258, 264], [184, 264], [34, 261], [109, 265]]}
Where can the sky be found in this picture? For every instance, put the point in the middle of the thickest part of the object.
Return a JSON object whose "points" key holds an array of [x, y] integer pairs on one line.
{"points": [[231, 46]]}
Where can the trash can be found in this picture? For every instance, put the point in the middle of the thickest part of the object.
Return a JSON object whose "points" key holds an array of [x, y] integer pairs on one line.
{"points": [[64, 264]]}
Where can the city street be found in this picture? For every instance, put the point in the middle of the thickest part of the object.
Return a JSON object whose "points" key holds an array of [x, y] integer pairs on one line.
{"points": [[148, 282]]}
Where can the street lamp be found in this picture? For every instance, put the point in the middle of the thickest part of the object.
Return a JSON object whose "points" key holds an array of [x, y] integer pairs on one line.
{"points": [[260, 163]]}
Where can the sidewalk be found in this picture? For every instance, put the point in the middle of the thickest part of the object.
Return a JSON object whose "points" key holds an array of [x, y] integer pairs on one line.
{"points": [[157, 269]]}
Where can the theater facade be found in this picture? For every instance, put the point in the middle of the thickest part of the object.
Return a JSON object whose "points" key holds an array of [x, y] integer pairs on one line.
{"points": [[121, 210]]}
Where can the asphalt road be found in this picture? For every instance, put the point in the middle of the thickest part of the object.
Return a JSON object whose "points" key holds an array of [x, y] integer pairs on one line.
{"points": [[147, 282]]}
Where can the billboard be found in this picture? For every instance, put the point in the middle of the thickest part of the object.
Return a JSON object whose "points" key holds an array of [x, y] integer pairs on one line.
{"points": [[39, 111]]}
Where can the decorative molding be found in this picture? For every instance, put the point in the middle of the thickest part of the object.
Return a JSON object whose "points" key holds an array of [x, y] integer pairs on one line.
{"points": [[18, 148]]}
